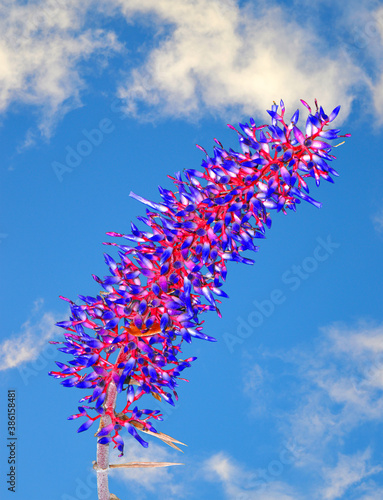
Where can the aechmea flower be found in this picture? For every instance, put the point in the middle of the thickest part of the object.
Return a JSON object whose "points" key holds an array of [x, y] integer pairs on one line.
{"points": [[170, 274]]}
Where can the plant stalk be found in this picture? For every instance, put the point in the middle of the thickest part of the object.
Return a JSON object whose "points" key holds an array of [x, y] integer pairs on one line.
{"points": [[103, 449]]}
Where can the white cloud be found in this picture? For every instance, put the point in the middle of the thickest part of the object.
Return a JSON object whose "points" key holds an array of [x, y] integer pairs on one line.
{"points": [[221, 465], [361, 383], [254, 379], [341, 385], [373, 40], [378, 99], [42, 47], [32, 339], [371, 492], [349, 471], [377, 219], [219, 56], [337, 383], [240, 483]]}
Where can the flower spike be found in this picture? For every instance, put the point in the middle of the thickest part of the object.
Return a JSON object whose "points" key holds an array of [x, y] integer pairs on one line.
{"points": [[129, 337]]}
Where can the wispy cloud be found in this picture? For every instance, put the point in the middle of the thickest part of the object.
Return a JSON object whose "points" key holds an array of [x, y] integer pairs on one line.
{"points": [[377, 218], [32, 339], [339, 391], [43, 46], [337, 384], [210, 56], [371, 492], [220, 56], [349, 471], [241, 483], [350, 370], [373, 31]]}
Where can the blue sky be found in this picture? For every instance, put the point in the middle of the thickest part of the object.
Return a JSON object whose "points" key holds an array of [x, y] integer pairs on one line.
{"points": [[98, 99]]}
